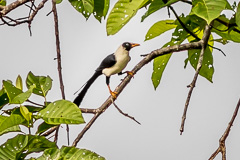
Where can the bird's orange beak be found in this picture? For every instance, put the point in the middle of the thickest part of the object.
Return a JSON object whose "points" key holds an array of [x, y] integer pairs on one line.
{"points": [[134, 44]]}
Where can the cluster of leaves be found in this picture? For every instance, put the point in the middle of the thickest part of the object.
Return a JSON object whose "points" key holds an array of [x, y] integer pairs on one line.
{"points": [[49, 114], [203, 12]]}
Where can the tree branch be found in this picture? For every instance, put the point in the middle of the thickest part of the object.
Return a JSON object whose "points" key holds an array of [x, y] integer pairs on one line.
{"points": [[204, 43], [222, 146], [6, 9]]}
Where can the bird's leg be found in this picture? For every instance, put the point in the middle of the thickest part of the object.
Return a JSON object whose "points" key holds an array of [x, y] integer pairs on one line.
{"points": [[113, 94], [128, 73]]}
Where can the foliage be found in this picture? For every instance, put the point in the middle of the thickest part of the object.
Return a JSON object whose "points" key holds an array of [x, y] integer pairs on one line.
{"points": [[52, 114]]}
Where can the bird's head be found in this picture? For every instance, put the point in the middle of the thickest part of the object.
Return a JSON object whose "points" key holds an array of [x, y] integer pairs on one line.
{"points": [[128, 46]]}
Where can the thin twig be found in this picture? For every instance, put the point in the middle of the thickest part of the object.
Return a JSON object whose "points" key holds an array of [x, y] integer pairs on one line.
{"points": [[54, 9], [222, 146], [18, 21], [51, 130], [34, 103], [204, 41], [125, 114]]}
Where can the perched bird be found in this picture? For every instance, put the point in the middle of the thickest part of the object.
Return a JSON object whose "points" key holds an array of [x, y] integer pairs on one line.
{"points": [[112, 64]]}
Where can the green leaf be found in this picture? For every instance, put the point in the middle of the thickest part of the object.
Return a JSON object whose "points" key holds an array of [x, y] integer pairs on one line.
{"points": [[158, 28], [43, 84], [39, 143], [100, 9], [3, 98], [159, 66], [10, 123], [155, 6], [207, 68], [208, 9], [75, 153], [58, 1], [3, 2], [227, 33], [13, 146], [26, 114], [11, 90], [85, 7], [178, 36], [43, 127], [61, 111], [121, 13], [22, 145], [238, 15], [19, 84], [15, 95], [51, 154]]}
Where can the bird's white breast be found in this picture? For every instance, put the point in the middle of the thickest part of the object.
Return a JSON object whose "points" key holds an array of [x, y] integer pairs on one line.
{"points": [[122, 59]]}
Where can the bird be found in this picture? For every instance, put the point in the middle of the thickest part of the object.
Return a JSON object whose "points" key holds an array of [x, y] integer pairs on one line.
{"points": [[112, 64]]}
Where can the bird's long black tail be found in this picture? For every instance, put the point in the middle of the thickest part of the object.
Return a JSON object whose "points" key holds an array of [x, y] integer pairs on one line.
{"points": [[81, 95]]}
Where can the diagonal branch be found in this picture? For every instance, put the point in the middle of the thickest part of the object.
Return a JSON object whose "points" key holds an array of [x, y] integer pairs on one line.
{"points": [[222, 147], [204, 43], [6, 9], [148, 58]]}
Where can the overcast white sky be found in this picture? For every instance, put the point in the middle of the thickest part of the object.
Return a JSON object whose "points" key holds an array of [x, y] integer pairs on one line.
{"points": [[84, 44]]}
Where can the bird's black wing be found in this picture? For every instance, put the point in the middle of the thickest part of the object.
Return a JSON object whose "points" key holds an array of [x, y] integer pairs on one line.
{"points": [[107, 62]]}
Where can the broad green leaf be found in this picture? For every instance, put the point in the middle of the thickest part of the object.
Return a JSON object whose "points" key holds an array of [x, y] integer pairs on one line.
{"points": [[73, 153], [238, 15], [11, 90], [221, 28], [3, 2], [208, 9], [158, 28], [159, 66], [13, 146], [22, 145], [43, 84], [19, 84], [15, 95], [43, 127], [155, 6], [100, 9], [85, 7], [30, 108], [121, 13], [159, 63], [39, 143], [8, 122], [26, 114], [3, 98], [61, 111], [51, 154], [207, 68], [11, 129]]}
